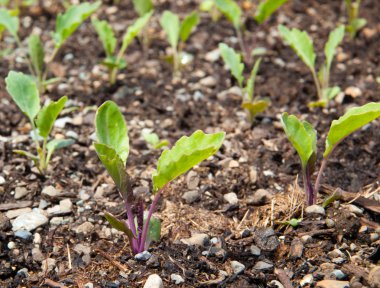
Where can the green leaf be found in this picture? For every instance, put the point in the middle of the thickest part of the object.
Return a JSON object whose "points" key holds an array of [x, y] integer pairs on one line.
{"points": [[255, 107], [351, 121], [331, 92], [187, 25], [206, 5], [335, 38], [186, 153], [11, 23], [56, 144], [142, 6], [68, 22], [250, 88], [171, 25], [118, 224], [154, 229], [266, 9], [233, 62], [106, 36], [111, 129], [24, 92], [231, 11], [37, 54], [301, 43], [27, 154], [151, 138], [114, 165], [134, 30], [47, 116], [111, 62], [302, 136]]}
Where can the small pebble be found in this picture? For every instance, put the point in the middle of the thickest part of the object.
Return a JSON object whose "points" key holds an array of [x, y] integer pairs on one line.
{"points": [[255, 250], [177, 279], [11, 245], [231, 198], [315, 209], [307, 279], [24, 235], [143, 256], [261, 265], [154, 281], [199, 239], [237, 267], [329, 223]]}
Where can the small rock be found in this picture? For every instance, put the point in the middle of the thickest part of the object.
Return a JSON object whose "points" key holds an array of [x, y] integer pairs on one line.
{"points": [[143, 256], [353, 92], [373, 237], [338, 260], [65, 206], [262, 265], [374, 277], [333, 284], [11, 245], [208, 81], [56, 221], [23, 272], [29, 221], [37, 238], [5, 224], [154, 281], [24, 235], [191, 196], [89, 285], [17, 212], [315, 209], [153, 262], [336, 253], [231, 198], [82, 249], [306, 239], [255, 250], [307, 279], [260, 197], [48, 265], [276, 284], [329, 223], [215, 252], [177, 279], [85, 228], [199, 239], [253, 175], [213, 55], [37, 255], [72, 134], [192, 180], [355, 209], [2, 180], [266, 239], [50, 191], [83, 195], [363, 229], [339, 274], [296, 248], [237, 267], [20, 192]]}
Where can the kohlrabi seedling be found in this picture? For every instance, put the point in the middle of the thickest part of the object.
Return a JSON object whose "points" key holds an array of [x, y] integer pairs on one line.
{"points": [[115, 61], [354, 22], [177, 33], [266, 8], [233, 61], [112, 147], [143, 7], [304, 140], [302, 44], [23, 90], [153, 140], [66, 25]]}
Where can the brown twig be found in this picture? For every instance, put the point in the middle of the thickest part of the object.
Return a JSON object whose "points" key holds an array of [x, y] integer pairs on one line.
{"points": [[317, 232], [54, 284], [113, 261]]}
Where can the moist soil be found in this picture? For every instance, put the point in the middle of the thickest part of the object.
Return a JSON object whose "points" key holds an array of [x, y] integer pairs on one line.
{"points": [[255, 159]]}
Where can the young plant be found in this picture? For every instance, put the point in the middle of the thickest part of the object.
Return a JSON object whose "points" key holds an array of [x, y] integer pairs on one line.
{"points": [[177, 33], [232, 11], [234, 63], [66, 25], [112, 148], [143, 7], [302, 44], [304, 140], [210, 7], [153, 140], [23, 90], [114, 61], [354, 22]]}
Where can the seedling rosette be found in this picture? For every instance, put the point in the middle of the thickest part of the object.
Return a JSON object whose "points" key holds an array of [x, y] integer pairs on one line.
{"points": [[112, 148]]}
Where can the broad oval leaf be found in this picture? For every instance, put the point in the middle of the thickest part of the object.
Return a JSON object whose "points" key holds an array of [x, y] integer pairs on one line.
{"points": [[301, 43], [267, 8], [119, 224], [354, 119], [186, 153], [187, 25], [255, 107], [106, 36], [37, 54], [47, 116], [114, 165], [111, 129], [10, 22], [68, 22], [233, 62], [171, 25], [335, 38], [24, 92], [302, 136], [231, 11], [134, 30], [142, 6]]}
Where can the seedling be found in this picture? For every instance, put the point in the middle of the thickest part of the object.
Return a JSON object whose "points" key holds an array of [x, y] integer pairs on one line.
{"points": [[114, 61], [294, 222], [23, 90], [232, 11], [143, 7], [153, 140], [233, 61], [112, 148], [177, 33], [354, 22], [304, 140], [302, 44], [66, 25]]}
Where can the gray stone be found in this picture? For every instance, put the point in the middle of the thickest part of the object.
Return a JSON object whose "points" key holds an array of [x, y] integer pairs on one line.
{"points": [[339, 274], [260, 197], [255, 250], [338, 260], [355, 209], [262, 265], [237, 267], [23, 272], [11, 245], [192, 180], [17, 212], [82, 249], [37, 255], [50, 191], [48, 265], [37, 238], [29, 221], [336, 253], [208, 81], [143, 256], [20, 192], [231, 198], [177, 279], [315, 209], [154, 281], [85, 228], [199, 239], [65, 206], [306, 280], [153, 262], [329, 223], [56, 221], [306, 239], [89, 285], [266, 239], [2, 180], [24, 235], [191, 196]]}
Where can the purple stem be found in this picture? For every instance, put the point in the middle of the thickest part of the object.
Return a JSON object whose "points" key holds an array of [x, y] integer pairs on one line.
{"points": [[310, 197], [140, 219], [320, 172], [131, 223]]}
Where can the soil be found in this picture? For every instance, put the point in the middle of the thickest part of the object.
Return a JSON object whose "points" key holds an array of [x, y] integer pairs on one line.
{"points": [[253, 159]]}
